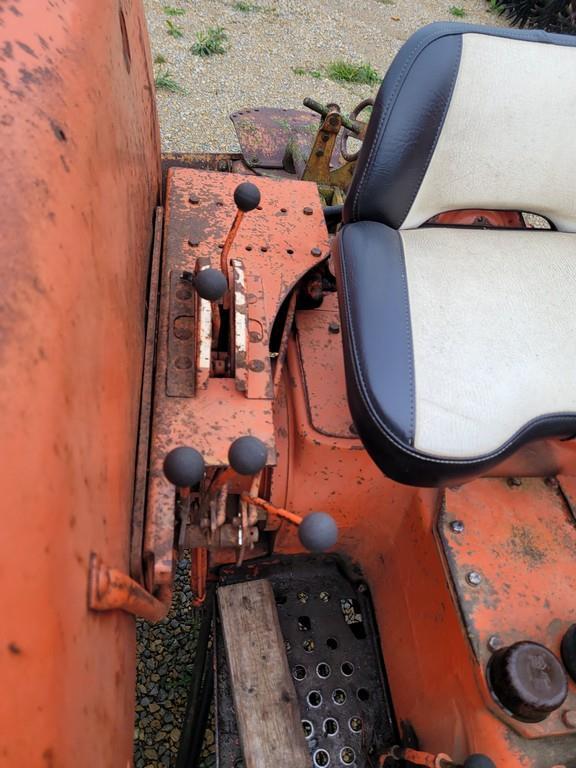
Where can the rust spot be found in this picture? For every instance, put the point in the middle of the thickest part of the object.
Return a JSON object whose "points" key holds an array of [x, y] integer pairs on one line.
{"points": [[58, 131], [523, 546], [7, 50], [26, 49], [48, 757], [14, 648]]}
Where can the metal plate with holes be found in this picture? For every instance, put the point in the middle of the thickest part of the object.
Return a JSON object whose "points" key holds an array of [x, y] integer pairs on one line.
{"points": [[333, 652]]}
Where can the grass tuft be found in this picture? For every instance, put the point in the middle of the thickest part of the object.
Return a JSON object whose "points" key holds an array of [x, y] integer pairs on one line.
{"points": [[210, 42], [174, 30], [346, 72], [495, 6], [245, 7], [455, 10], [306, 71], [165, 82], [159, 59], [169, 10]]}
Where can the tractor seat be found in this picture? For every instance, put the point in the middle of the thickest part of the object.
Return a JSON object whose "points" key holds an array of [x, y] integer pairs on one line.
{"points": [[460, 343]]}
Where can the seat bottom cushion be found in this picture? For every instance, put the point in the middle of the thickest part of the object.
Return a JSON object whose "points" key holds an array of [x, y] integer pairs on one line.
{"points": [[460, 344]]}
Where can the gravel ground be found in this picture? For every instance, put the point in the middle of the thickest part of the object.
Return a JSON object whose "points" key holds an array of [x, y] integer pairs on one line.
{"points": [[264, 45]]}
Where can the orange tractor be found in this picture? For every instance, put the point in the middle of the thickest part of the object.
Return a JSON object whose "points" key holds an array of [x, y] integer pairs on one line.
{"points": [[358, 418]]}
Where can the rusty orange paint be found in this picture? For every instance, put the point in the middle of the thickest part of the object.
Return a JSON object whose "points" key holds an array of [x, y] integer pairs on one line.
{"points": [[390, 531], [274, 243], [80, 181]]}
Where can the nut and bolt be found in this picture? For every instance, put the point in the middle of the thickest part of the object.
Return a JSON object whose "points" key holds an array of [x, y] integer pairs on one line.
{"points": [[308, 211], [316, 252], [474, 578], [193, 242], [333, 328], [494, 642], [514, 482], [256, 365], [193, 200], [457, 526]]}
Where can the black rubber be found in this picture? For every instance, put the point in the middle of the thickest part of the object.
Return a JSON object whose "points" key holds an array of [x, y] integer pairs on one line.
{"points": [[568, 651], [247, 455], [184, 466], [247, 196], [318, 532], [211, 284]]}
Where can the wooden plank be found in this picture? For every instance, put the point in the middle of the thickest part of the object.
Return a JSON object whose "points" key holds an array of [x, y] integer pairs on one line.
{"points": [[267, 709]]}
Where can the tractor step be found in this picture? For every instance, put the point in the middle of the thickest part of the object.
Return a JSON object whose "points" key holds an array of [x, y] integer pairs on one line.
{"points": [[331, 645]]}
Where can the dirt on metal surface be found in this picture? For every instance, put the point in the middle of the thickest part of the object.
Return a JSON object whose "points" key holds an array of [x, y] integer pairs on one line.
{"points": [[274, 243], [526, 573]]}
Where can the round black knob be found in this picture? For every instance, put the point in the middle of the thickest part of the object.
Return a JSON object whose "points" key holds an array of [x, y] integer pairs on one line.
{"points": [[318, 532], [568, 651], [247, 196], [527, 680], [479, 761], [247, 455], [211, 284], [184, 466]]}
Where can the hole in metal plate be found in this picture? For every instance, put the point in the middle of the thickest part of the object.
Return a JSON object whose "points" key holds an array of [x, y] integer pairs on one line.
{"points": [[321, 758], [339, 696], [323, 670], [314, 698], [330, 726]]}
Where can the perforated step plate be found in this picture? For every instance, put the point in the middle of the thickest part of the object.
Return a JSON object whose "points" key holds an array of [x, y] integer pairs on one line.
{"points": [[334, 655]]}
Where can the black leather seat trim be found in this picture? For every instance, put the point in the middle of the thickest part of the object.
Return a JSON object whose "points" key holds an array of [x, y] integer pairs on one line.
{"points": [[377, 330], [408, 117], [379, 364]]}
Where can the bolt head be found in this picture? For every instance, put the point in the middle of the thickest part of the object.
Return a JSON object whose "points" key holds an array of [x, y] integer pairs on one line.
{"points": [[307, 211], [474, 578], [457, 526], [494, 642], [333, 328]]}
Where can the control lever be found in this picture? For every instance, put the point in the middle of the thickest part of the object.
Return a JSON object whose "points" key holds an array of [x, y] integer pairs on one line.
{"points": [[246, 197]]}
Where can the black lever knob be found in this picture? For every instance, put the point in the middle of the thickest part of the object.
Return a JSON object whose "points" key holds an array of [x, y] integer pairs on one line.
{"points": [[247, 196], [478, 761], [184, 466], [210, 283], [318, 532], [247, 455]]}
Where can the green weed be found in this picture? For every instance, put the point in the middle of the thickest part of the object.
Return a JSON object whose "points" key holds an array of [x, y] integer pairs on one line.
{"points": [[210, 41], [245, 7], [455, 10], [345, 72], [169, 10], [165, 82], [174, 30], [159, 59]]}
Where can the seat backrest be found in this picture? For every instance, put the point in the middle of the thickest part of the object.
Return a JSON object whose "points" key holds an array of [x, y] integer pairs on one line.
{"points": [[471, 117]]}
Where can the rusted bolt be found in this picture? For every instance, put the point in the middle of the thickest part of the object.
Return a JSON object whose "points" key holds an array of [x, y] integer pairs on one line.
{"points": [[514, 482], [183, 362], [255, 336], [457, 526], [256, 365], [474, 578], [494, 642], [333, 328], [325, 136], [193, 200], [334, 120], [308, 211], [255, 159], [316, 252], [319, 153], [569, 718], [193, 243]]}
